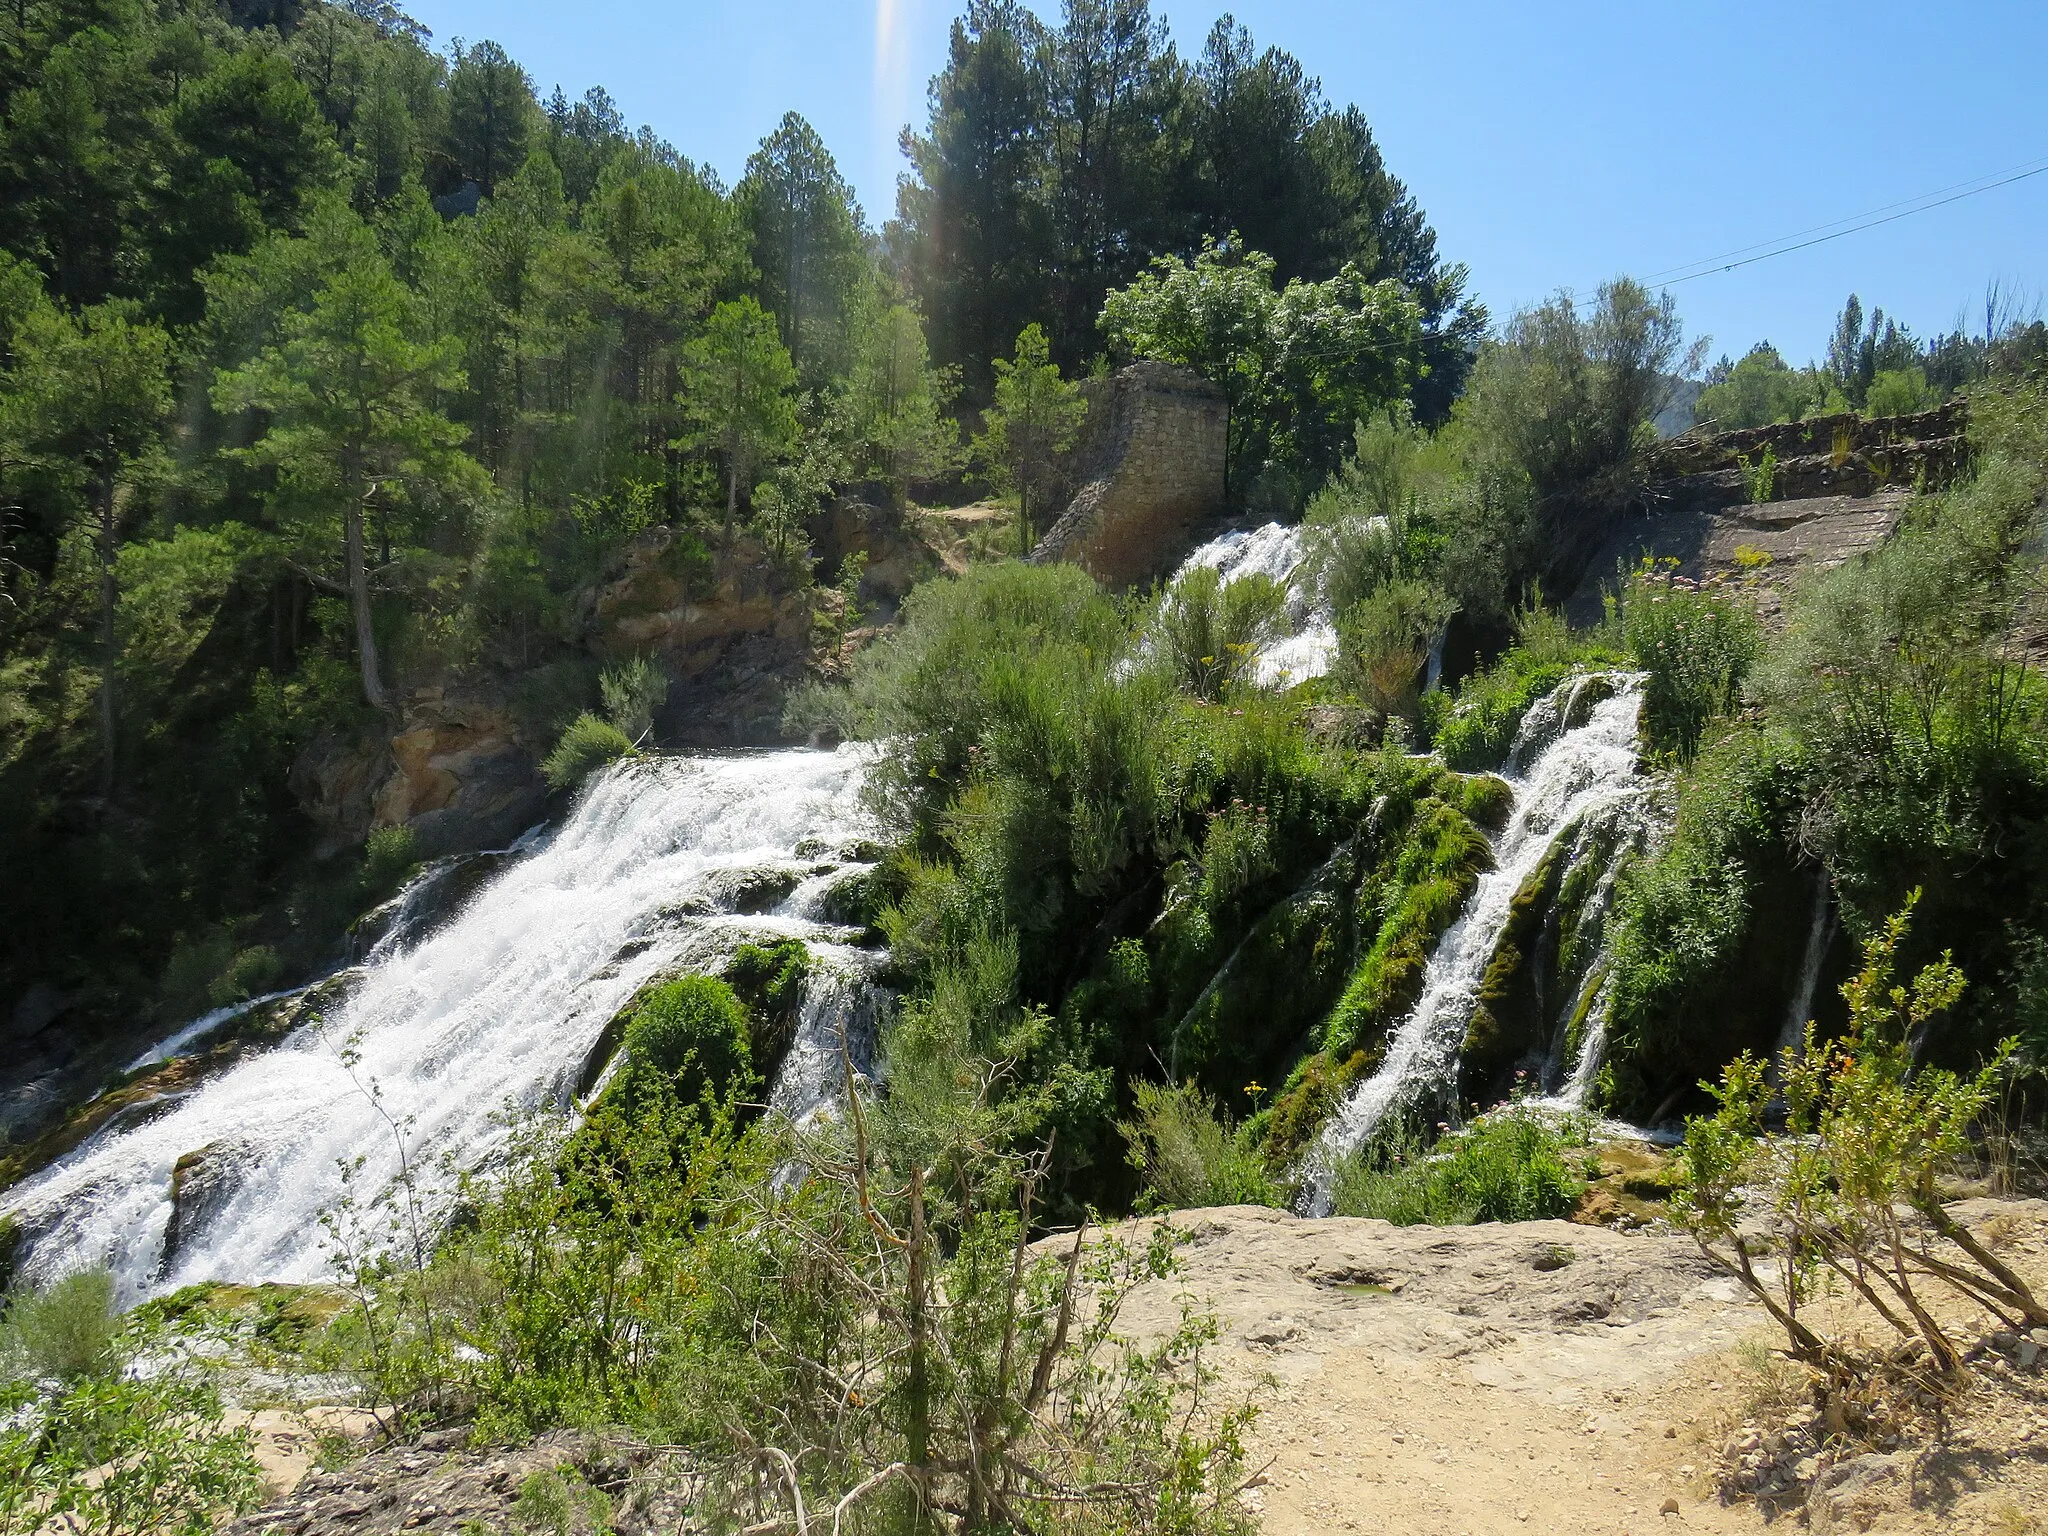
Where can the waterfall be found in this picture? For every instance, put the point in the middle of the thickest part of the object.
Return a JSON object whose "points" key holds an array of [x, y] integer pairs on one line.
{"points": [[1792, 1036], [1310, 643], [1569, 764], [497, 1008]]}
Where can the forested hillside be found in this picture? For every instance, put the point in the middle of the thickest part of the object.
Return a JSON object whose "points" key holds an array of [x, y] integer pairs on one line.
{"points": [[335, 366]]}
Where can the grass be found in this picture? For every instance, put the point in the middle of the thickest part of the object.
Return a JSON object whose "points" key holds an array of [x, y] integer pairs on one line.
{"points": [[1509, 1166]]}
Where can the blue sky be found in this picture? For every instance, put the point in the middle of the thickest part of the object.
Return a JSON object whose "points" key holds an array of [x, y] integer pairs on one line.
{"points": [[1552, 145]]}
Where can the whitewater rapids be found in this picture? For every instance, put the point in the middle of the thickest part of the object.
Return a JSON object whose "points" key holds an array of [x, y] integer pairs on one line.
{"points": [[496, 1011]]}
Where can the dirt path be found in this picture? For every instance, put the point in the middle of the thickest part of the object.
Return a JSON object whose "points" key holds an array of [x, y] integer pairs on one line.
{"points": [[1536, 1377]]}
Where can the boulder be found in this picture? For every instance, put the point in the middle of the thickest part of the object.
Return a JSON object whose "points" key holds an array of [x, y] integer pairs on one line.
{"points": [[202, 1184]]}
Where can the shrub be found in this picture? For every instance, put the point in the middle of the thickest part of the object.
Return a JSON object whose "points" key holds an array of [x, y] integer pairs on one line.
{"points": [[1697, 645], [1188, 1154], [1509, 1166], [1868, 1135], [586, 746], [251, 973], [1475, 729], [770, 977], [1211, 631], [691, 1037], [1384, 639], [389, 859], [66, 1332], [632, 691], [88, 1441]]}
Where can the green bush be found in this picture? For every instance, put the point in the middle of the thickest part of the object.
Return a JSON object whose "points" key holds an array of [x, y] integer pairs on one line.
{"points": [[1384, 639], [1191, 1156], [89, 1441], [1475, 729], [770, 978], [586, 746], [632, 691], [1211, 632], [1508, 1166], [389, 859], [1697, 645], [689, 1037], [66, 1332]]}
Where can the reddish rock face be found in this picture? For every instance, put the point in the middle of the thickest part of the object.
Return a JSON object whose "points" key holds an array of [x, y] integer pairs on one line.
{"points": [[1157, 440], [688, 610]]}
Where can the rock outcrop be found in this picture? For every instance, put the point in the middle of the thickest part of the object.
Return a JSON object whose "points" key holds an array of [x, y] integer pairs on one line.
{"points": [[1153, 460], [1839, 487]]}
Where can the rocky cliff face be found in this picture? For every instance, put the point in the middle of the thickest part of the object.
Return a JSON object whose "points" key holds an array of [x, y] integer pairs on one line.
{"points": [[1153, 457], [1839, 486]]}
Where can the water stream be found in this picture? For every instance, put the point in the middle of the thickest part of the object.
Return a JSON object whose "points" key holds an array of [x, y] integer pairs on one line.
{"points": [[497, 1008], [1570, 766]]}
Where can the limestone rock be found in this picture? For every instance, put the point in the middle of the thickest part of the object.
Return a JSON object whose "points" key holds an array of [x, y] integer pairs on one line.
{"points": [[1155, 452], [202, 1184], [689, 607]]}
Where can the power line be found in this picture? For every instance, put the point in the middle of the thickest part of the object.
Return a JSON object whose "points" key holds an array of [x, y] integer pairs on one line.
{"points": [[2025, 168], [1892, 218]]}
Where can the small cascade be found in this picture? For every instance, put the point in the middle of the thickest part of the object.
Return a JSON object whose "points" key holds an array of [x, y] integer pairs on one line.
{"points": [[842, 1010], [501, 1006], [1819, 933], [1310, 642], [1573, 765]]}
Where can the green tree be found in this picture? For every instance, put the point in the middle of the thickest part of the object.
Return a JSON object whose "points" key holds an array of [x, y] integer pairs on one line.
{"points": [[1028, 431], [806, 234], [1755, 392], [490, 114], [900, 402], [94, 395], [350, 392], [738, 392], [1299, 366]]}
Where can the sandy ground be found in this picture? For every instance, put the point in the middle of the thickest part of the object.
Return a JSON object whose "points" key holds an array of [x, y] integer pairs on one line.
{"points": [[1539, 1377]]}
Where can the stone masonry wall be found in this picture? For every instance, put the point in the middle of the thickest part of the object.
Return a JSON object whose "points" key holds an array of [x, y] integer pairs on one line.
{"points": [[1153, 460]]}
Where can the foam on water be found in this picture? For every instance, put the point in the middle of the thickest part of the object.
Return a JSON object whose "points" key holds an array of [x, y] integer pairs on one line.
{"points": [[1568, 766], [499, 1007]]}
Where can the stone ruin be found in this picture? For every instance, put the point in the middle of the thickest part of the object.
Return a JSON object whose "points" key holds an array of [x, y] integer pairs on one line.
{"points": [[1151, 469]]}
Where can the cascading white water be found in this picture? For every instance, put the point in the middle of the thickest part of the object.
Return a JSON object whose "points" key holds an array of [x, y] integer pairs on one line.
{"points": [[499, 1008], [1310, 644], [1792, 1036], [1572, 773]]}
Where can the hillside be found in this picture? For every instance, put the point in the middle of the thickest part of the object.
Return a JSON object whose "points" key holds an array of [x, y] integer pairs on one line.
{"points": [[681, 854]]}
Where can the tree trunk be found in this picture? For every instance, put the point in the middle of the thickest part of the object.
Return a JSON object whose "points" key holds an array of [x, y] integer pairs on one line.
{"points": [[109, 652], [359, 601], [732, 498]]}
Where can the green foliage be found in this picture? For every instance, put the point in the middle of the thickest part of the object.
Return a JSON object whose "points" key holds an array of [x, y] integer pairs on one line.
{"points": [[67, 1332], [1029, 430], [1384, 639], [587, 745], [632, 691], [92, 1439], [770, 977], [1211, 632], [737, 394], [688, 1038], [561, 1504], [1697, 645], [1508, 1166], [1474, 728], [1190, 1156], [1758, 391], [1761, 478], [389, 859], [1868, 1135], [863, 1300], [1299, 364]]}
